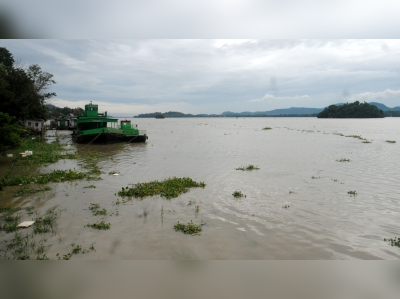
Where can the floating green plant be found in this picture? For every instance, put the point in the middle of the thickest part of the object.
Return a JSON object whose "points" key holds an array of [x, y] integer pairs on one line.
{"points": [[113, 172], [366, 141], [285, 206], [354, 193], [94, 207], [55, 177], [189, 229], [238, 194], [267, 128], [390, 141], [343, 160], [393, 242], [197, 209], [356, 136], [314, 177], [249, 167], [90, 186], [168, 188], [100, 226]]}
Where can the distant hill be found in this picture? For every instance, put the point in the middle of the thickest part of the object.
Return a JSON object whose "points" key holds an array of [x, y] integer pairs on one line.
{"points": [[384, 107]]}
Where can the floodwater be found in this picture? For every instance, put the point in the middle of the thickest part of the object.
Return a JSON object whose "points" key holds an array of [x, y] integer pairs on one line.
{"points": [[298, 168]]}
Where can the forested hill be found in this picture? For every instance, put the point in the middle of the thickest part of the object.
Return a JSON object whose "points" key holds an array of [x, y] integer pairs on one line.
{"points": [[352, 110]]}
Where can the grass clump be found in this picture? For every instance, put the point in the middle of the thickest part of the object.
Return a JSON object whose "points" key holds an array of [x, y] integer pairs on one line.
{"points": [[46, 223], [10, 223], [169, 188], [248, 167], [267, 128], [188, 229], [343, 160], [100, 226], [393, 242], [390, 141], [237, 194]]}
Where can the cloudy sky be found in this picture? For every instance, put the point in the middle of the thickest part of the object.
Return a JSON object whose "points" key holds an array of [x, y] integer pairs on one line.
{"points": [[212, 76]]}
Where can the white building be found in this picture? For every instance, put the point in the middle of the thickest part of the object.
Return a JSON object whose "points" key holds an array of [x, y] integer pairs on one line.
{"points": [[34, 124]]}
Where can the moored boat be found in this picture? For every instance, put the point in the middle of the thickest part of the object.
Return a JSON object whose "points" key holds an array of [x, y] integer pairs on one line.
{"points": [[96, 127]]}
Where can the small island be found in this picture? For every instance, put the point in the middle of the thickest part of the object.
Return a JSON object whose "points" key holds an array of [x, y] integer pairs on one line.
{"points": [[352, 110]]}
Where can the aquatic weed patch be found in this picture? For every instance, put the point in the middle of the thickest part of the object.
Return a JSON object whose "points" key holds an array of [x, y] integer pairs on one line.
{"points": [[54, 177], [189, 229], [355, 136], [366, 141], [248, 167], [169, 188], [390, 141], [267, 128], [354, 193], [238, 194], [95, 208], [100, 226], [10, 223], [393, 242], [29, 191], [46, 223], [343, 160], [43, 152]]}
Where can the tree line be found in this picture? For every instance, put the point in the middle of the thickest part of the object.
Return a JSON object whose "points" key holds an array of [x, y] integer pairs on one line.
{"points": [[23, 94]]}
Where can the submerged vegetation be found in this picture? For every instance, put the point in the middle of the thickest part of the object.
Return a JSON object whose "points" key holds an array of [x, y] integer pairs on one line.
{"points": [[169, 188], [249, 167], [189, 229]]}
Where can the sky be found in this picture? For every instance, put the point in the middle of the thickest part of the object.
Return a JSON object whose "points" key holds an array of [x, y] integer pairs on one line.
{"points": [[132, 76]]}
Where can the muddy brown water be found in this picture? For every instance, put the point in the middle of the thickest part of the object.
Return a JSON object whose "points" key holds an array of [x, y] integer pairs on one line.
{"points": [[298, 168]]}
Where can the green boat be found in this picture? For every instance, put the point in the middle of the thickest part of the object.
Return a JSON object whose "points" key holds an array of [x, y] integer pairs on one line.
{"points": [[96, 127]]}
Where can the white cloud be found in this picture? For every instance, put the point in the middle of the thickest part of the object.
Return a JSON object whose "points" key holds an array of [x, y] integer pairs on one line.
{"points": [[270, 97], [374, 96]]}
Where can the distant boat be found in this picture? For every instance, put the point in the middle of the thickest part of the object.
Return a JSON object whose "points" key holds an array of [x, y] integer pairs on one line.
{"points": [[98, 128]]}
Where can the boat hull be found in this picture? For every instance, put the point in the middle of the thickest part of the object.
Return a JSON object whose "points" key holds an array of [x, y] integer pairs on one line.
{"points": [[105, 138]]}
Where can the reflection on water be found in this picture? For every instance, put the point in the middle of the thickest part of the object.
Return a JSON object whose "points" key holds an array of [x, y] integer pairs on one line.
{"points": [[298, 167]]}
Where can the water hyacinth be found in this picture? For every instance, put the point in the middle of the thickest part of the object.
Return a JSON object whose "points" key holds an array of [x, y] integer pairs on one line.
{"points": [[169, 188], [188, 229]]}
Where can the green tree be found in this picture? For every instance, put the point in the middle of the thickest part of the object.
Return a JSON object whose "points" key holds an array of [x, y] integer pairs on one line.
{"points": [[9, 133], [23, 93]]}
